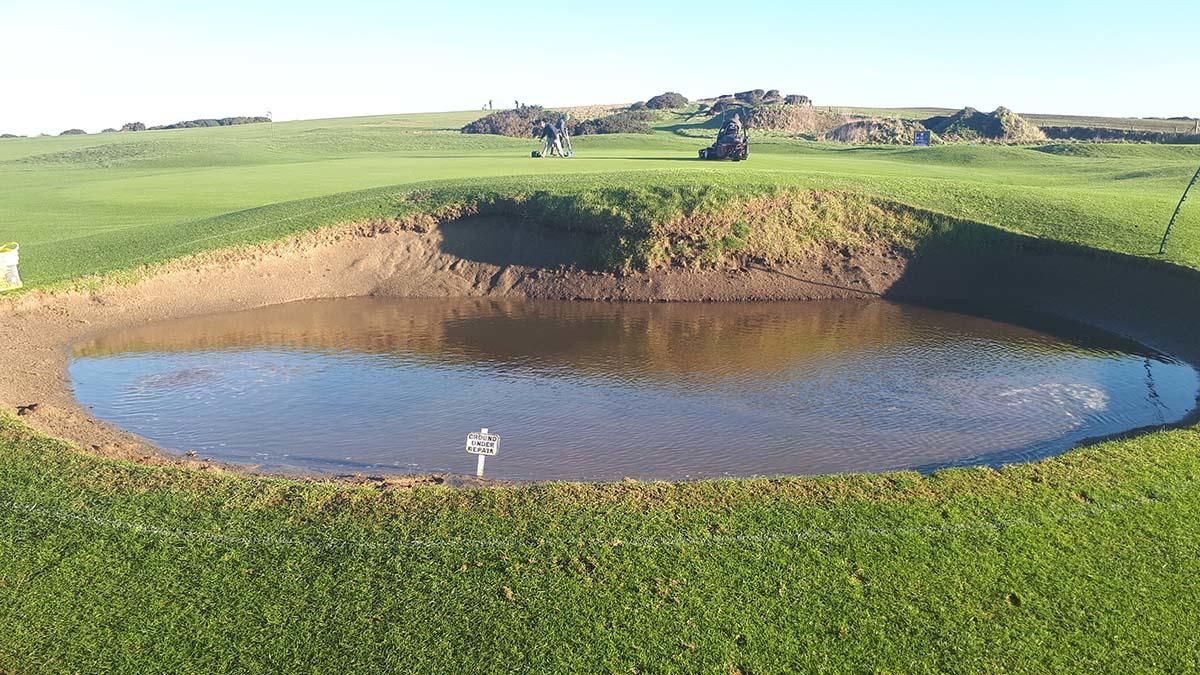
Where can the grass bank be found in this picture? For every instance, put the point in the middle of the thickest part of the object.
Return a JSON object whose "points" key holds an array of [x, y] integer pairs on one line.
{"points": [[92, 204], [127, 568]]}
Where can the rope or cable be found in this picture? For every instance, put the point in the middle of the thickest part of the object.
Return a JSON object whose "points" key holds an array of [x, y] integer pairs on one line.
{"points": [[1162, 247]]}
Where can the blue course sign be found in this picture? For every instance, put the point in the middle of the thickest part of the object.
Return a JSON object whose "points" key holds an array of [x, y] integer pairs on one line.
{"points": [[921, 139]]}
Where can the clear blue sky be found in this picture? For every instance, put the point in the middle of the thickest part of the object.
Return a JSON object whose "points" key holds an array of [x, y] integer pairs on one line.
{"points": [[99, 64]]}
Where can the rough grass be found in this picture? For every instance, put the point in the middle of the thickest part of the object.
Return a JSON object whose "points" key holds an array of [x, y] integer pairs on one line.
{"points": [[1082, 563]]}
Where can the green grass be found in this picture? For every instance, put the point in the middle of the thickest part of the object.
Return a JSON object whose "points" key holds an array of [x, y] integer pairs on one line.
{"points": [[75, 203], [1086, 562]]}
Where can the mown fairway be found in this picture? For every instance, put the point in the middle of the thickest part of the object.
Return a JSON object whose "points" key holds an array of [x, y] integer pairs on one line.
{"points": [[87, 204], [1086, 562]]}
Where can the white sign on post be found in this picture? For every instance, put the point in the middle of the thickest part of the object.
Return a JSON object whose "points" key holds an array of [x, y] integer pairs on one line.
{"points": [[483, 444]]}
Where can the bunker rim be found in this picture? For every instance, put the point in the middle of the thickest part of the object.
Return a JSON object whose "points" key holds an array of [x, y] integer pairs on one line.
{"points": [[250, 251], [1076, 513]]}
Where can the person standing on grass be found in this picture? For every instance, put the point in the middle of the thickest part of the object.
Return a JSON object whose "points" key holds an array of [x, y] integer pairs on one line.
{"points": [[563, 134], [732, 131], [551, 142]]}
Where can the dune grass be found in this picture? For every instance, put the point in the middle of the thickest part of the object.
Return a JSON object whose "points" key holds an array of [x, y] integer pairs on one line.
{"points": [[1084, 562]]}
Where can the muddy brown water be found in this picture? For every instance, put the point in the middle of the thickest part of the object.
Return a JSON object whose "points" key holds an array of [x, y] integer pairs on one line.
{"points": [[582, 390]]}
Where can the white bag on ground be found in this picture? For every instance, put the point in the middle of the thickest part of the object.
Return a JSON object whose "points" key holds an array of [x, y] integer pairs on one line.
{"points": [[9, 278]]}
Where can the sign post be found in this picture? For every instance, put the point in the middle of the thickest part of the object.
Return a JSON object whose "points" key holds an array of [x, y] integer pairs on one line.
{"points": [[483, 444], [921, 139]]}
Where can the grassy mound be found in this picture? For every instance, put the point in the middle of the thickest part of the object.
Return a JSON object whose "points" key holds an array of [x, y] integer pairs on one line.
{"points": [[686, 225], [878, 131], [796, 119], [1001, 125], [627, 122], [667, 101]]}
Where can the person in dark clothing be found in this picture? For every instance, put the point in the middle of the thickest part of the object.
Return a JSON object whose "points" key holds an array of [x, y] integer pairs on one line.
{"points": [[732, 131], [551, 141]]}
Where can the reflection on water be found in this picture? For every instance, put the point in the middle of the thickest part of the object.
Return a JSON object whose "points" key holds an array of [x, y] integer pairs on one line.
{"points": [[604, 390]]}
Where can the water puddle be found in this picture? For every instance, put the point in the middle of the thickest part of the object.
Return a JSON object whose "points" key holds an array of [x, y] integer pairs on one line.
{"points": [[605, 390]]}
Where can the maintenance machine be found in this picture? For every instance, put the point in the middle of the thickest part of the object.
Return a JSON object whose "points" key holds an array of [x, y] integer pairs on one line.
{"points": [[733, 142]]}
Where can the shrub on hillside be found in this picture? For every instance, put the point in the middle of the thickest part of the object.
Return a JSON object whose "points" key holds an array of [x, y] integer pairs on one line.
{"points": [[723, 104], [1015, 128], [629, 122], [793, 118], [751, 98], [518, 123], [756, 98], [1104, 135], [1001, 125], [667, 101], [209, 122], [133, 126], [109, 130], [73, 132], [878, 131], [9, 136]]}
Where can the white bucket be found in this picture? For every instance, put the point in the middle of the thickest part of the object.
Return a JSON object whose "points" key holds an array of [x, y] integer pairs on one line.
{"points": [[9, 278]]}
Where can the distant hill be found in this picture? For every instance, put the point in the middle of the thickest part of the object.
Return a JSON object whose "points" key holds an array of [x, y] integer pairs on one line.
{"points": [[1168, 125], [222, 122]]}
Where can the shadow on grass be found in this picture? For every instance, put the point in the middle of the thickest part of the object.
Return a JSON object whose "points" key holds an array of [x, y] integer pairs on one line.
{"points": [[688, 123], [642, 159], [503, 240]]}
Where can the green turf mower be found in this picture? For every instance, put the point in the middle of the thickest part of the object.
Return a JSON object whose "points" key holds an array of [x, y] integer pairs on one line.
{"points": [[733, 142]]}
